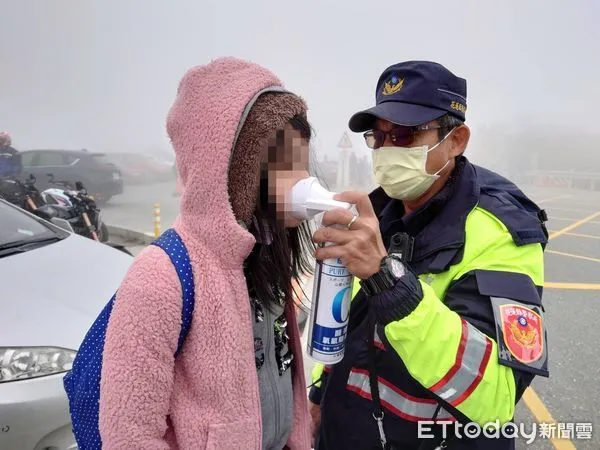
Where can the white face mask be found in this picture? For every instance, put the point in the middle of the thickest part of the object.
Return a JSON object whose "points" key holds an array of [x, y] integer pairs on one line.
{"points": [[401, 171]]}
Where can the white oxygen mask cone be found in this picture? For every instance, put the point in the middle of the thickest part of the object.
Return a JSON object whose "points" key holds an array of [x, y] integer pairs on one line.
{"points": [[332, 286]]}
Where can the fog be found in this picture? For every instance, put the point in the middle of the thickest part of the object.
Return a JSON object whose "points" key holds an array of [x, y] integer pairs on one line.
{"points": [[102, 75]]}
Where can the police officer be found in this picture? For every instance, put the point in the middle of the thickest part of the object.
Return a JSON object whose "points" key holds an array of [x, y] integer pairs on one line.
{"points": [[446, 324], [9, 157]]}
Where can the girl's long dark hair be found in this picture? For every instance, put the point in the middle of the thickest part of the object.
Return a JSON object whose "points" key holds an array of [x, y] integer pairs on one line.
{"points": [[281, 255]]}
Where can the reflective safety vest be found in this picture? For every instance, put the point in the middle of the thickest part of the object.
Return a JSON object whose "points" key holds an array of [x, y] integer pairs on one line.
{"points": [[475, 340]]}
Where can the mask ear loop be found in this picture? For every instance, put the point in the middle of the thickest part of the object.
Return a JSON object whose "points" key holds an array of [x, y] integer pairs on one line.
{"points": [[441, 140], [437, 174]]}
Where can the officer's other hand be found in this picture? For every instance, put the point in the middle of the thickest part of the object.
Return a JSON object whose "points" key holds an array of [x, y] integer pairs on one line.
{"points": [[315, 415], [360, 247]]}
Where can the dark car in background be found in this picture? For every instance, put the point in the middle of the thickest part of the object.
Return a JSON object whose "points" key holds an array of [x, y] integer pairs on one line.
{"points": [[141, 168], [101, 178]]}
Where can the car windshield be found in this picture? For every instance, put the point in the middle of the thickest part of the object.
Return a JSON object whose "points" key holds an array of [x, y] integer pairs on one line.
{"points": [[101, 158], [16, 225]]}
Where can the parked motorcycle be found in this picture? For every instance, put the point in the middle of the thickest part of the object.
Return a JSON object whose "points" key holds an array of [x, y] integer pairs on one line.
{"points": [[21, 193], [84, 214], [79, 208], [70, 209], [25, 195]]}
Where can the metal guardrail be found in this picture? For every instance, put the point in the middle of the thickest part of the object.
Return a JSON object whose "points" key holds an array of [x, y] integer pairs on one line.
{"points": [[569, 179]]}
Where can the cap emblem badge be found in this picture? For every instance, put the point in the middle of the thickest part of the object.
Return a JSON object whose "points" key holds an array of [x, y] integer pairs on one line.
{"points": [[393, 85]]}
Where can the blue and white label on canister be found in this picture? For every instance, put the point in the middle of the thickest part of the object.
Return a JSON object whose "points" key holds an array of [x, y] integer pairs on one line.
{"points": [[332, 294]]}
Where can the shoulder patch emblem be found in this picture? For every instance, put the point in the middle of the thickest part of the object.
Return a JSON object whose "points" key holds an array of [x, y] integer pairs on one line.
{"points": [[521, 335], [522, 329]]}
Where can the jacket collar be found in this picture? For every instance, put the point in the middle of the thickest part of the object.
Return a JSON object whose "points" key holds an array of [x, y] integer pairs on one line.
{"points": [[440, 223]]}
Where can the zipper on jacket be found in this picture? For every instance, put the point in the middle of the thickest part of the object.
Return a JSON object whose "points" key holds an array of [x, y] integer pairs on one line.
{"points": [[250, 315], [270, 353]]}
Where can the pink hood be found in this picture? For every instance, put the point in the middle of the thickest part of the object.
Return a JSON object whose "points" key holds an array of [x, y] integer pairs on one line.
{"points": [[203, 125], [208, 397]]}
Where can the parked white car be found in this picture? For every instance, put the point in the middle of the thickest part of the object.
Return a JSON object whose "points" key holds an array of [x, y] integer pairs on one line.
{"points": [[53, 284]]}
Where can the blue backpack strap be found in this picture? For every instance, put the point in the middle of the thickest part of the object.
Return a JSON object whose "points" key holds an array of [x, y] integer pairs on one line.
{"points": [[172, 245]]}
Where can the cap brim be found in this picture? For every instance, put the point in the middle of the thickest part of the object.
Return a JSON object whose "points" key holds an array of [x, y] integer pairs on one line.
{"points": [[405, 114]]}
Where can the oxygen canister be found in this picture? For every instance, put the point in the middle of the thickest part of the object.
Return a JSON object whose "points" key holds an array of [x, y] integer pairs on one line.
{"points": [[332, 286]]}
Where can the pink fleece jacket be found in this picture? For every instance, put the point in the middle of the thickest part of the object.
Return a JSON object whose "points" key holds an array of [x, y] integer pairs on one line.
{"points": [[208, 398]]}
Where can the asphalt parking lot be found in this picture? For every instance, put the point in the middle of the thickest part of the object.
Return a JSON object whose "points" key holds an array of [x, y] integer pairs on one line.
{"points": [[567, 400], [572, 282]]}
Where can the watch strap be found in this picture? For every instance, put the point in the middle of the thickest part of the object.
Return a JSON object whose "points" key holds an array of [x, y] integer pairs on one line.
{"points": [[379, 281]]}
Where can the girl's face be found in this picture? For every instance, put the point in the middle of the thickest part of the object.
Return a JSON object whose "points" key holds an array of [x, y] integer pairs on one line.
{"points": [[287, 163]]}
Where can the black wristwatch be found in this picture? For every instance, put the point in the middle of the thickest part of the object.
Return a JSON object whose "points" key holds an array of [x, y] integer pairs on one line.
{"points": [[390, 271]]}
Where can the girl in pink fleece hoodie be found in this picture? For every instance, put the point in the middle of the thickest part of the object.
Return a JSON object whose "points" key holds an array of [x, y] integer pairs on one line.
{"points": [[241, 142]]}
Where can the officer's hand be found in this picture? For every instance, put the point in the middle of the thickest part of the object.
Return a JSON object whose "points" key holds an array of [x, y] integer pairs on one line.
{"points": [[315, 415], [360, 247]]}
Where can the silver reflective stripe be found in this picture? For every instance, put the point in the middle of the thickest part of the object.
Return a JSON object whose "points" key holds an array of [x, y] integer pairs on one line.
{"points": [[471, 360], [377, 340], [395, 400]]}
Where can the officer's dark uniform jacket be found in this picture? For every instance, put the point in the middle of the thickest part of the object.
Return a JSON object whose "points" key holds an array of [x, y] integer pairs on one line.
{"points": [[440, 354]]}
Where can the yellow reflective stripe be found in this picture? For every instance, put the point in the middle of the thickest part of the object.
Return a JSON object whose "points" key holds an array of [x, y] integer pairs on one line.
{"points": [[395, 400]]}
